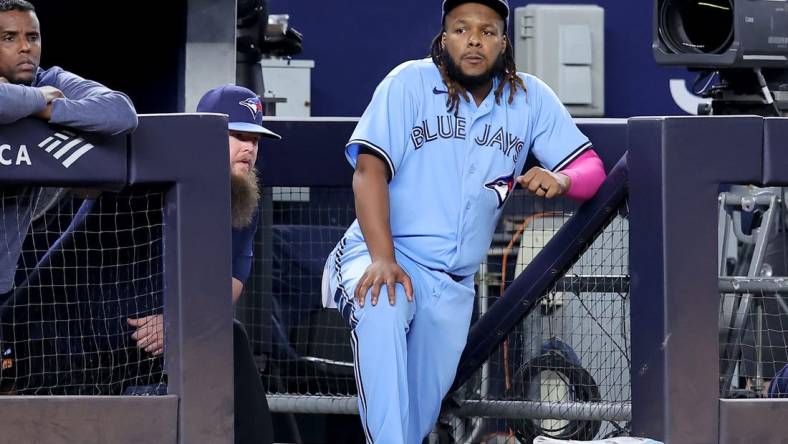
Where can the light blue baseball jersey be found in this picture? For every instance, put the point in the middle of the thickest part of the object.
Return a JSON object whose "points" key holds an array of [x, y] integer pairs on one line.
{"points": [[451, 173]]}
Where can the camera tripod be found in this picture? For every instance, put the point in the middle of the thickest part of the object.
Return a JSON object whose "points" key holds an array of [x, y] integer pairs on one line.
{"points": [[745, 91], [744, 303]]}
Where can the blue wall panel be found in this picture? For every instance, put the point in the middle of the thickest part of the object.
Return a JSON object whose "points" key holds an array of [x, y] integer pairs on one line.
{"points": [[356, 42]]}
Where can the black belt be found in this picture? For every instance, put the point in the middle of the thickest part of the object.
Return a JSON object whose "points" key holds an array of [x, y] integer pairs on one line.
{"points": [[457, 278], [454, 277]]}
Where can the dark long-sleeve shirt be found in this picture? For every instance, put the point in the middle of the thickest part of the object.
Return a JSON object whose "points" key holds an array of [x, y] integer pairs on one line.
{"points": [[87, 106]]}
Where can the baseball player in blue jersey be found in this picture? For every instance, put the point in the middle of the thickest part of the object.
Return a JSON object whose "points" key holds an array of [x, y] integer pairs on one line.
{"points": [[436, 154]]}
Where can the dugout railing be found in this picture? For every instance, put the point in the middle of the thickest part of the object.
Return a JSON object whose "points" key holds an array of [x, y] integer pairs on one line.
{"points": [[668, 288], [677, 165], [178, 156], [666, 293]]}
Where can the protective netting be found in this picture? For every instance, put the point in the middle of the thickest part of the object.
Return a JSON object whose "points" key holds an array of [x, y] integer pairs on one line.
{"points": [[753, 266], [309, 346], [564, 370], [75, 265], [571, 349]]}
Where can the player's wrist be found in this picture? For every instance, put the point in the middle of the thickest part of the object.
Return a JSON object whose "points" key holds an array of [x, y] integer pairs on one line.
{"points": [[381, 250], [383, 258], [564, 180]]}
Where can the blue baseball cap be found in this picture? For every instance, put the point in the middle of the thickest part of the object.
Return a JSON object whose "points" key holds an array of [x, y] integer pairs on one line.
{"points": [[499, 6], [242, 106]]}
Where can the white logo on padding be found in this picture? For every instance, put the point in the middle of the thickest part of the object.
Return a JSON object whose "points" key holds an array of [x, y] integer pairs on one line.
{"points": [[66, 144]]}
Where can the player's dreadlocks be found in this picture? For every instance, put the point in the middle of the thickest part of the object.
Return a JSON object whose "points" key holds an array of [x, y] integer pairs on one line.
{"points": [[507, 74]]}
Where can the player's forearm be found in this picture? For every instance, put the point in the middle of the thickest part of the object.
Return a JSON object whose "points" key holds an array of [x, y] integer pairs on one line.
{"points": [[372, 209], [88, 105], [111, 113], [18, 102], [586, 174]]}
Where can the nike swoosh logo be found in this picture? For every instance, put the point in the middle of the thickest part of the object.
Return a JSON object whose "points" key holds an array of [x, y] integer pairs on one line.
{"points": [[436, 91]]}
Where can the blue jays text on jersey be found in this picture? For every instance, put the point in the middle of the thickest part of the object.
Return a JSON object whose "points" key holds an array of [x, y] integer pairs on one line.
{"points": [[454, 127], [452, 174]]}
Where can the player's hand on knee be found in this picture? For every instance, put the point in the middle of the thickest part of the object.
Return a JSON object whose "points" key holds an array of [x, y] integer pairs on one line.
{"points": [[149, 333], [544, 183], [379, 273]]}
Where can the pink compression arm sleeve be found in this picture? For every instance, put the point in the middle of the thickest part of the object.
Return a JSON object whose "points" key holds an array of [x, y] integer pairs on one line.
{"points": [[587, 174]]}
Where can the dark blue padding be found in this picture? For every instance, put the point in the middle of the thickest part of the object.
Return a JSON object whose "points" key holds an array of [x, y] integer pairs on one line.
{"points": [[676, 167], [556, 257], [609, 137], [184, 153], [311, 152], [775, 152], [104, 164], [191, 152]]}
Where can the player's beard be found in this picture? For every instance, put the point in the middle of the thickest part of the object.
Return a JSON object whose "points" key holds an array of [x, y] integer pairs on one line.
{"points": [[245, 194], [471, 83]]}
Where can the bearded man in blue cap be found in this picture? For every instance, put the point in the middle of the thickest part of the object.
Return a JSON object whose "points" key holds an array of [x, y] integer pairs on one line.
{"points": [[245, 116]]}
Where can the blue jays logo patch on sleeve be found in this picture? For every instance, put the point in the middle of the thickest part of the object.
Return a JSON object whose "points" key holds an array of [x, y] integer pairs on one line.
{"points": [[254, 105], [502, 187]]}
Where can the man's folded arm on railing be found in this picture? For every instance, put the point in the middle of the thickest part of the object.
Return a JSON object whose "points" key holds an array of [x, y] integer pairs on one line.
{"points": [[67, 99]]}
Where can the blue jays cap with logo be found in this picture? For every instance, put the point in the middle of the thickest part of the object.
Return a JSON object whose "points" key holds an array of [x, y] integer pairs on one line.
{"points": [[499, 6], [242, 106]]}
